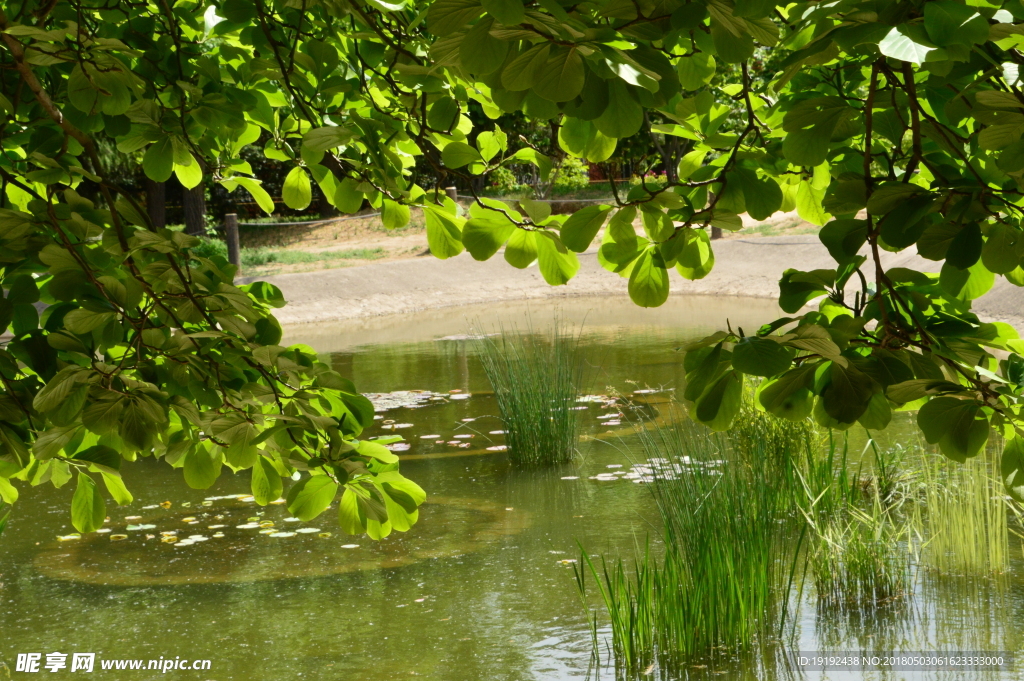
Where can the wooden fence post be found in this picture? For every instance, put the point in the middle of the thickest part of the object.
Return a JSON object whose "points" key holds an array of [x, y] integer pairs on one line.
{"points": [[231, 236]]}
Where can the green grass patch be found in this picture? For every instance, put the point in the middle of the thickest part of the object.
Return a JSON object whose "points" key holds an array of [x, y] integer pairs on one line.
{"points": [[263, 256]]}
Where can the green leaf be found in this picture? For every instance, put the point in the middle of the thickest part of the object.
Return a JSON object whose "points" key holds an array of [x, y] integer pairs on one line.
{"points": [[480, 52], [190, 176], [482, 237], [443, 114], [8, 492], [296, 191], [266, 483], [377, 451], [623, 115], [689, 163], [1011, 468], [448, 16], [966, 247], [538, 159], [648, 281], [347, 198], [848, 393], [718, 407], [561, 78], [490, 143], [158, 162], [809, 203], [58, 388], [1000, 253], [914, 389], [88, 510], [757, 356], [886, 197], [949, 23], [695, 70], [394, 215], [697, 258], [508, 12], [844, 239], [521, 249], [520, 73], [458, 154], [878, 414], [732, 47], [444, 233], [789, 396], [259, 194], [557, 263], [348, 512], [319, 140], [899, 46], [958, 426], [903, 225], [966, 285], [579, 230], [117, 490], [539, 211], [105, 458], [796, 291], [50, 442], [201, 467], [310, 497]]}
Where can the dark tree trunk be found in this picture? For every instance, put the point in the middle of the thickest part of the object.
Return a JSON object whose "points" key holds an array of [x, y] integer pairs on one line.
{"points": [[670, 158], [194, 205], [156, 203]]}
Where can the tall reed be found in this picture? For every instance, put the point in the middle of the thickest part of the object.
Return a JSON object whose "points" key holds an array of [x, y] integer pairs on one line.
{"points": [[860, 558], [722, 580], [536, 382], [964, 522]]}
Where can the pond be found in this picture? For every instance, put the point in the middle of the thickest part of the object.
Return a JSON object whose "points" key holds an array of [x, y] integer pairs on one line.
{"points": [[482, 587]]}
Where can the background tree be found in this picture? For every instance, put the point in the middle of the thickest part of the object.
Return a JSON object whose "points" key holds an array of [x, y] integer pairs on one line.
{"points": [[893, 124]]}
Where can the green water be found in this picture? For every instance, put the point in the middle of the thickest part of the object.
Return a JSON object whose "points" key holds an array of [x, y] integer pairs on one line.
{"points": [[480, 589]]}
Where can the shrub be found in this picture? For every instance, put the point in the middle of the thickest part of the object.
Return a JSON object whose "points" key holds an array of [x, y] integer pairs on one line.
{"points": [[572, 175]]}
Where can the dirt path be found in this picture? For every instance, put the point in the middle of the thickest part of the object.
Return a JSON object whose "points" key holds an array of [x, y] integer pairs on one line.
{"points": [[748, 267]]}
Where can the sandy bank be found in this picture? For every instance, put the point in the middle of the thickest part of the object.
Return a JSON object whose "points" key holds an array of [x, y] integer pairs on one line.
{"points": [[744, 267]]}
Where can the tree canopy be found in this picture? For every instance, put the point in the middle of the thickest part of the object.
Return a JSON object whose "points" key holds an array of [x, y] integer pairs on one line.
{"points": [[890, 124]]}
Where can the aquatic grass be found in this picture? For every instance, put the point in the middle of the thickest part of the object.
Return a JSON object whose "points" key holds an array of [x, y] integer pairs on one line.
{"points": [[756, 433], [536, 382], [861, 557], [728, 552], [964, 519]]}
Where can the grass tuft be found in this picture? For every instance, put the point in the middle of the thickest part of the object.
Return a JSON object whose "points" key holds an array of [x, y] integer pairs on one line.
{"points": [[728, 555], [536, 382], [964, 522]]}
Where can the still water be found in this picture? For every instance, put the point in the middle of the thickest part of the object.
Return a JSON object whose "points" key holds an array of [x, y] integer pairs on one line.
{"points": [[482, 588]]}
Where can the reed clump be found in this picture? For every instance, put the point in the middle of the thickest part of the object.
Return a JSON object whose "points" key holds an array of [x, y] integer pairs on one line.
{"points": [[964, 520], [728, 548], [861, 558], [536, 382]]}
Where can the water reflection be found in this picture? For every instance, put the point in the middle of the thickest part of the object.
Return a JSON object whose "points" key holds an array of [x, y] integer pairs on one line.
{"points": [[475, 591]]}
